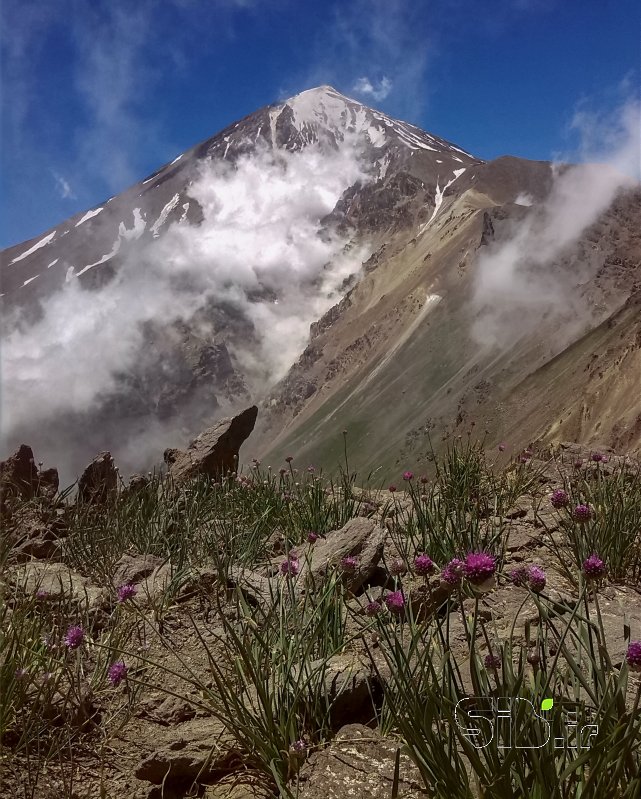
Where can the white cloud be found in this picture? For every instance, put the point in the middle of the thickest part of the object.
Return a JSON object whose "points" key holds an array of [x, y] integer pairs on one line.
{"points": [[64, 188], [260, 236], [365, 86], [112, 76], [377, 37], [524, 199], [520, 280]]}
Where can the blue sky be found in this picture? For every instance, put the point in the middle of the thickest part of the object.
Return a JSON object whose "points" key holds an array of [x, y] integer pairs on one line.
{"points": [[96, 95]]}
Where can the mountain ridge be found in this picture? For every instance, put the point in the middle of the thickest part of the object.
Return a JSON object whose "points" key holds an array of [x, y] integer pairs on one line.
{"points": [[423, 213]]}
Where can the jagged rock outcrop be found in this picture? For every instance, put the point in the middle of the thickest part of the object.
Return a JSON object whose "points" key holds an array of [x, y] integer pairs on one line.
{"points": [[20, 477], [215, 451], [99, 481]]}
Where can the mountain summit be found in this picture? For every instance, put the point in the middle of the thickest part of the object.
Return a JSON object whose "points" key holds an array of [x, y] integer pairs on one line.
{"points": [[342, 268], [321, 116]]}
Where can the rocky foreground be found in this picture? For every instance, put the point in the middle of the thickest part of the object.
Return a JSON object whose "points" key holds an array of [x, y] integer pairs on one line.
{"points": [[210, 632]]}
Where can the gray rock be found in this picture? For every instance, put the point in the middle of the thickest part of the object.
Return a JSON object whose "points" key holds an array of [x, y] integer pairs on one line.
{"points": [[240, 786], [133, 569], [256, 588], [19, 477], [360, 537], [167, 710], [348, 684], [359, 764], [59, 582], [189, 751], [35, 530], [521, 509], [215, 451], [522, 537], [98, 483]]}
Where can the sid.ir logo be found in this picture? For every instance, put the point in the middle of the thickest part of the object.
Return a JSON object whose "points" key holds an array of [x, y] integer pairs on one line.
{"points": [[514, 723]]}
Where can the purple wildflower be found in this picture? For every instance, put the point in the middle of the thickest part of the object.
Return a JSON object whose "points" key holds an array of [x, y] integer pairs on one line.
{"points": [[397, 567], [312, 537], [298, 747], [518, 576], [290, 567], [126, 591], [501, 447], [593, 567], [479, 567], [392, 489], [74, 637], [424, 479], [559, 498], [492, 662], [578, 463], [373, 608], [349, 564], [116, 673], [596, 457], [536, 578], [42, 595], [395, 601], [453, 572], [582, 513], [289, 459], [633, 655], [423, 565], [408, 476]]}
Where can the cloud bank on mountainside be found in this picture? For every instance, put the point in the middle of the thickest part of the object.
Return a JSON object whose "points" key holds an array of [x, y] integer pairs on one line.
{"points": [[261, 250], [519, 282]]}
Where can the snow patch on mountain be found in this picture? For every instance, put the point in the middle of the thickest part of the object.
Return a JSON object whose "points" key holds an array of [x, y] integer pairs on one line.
{"points": [[155, 228], [123, 234], [42, 243], [136, 231], [89, 215]]}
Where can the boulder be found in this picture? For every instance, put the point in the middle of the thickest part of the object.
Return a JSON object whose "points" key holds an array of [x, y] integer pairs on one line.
{"points": [[137, 484], [35, 531], [348, 686], [360, 537], [215, 451], [358, 763], [57, 581], [99, 482], [242, 785], [193, 750], [19, 477], [256, 588], [166, 710], [132, 569]]}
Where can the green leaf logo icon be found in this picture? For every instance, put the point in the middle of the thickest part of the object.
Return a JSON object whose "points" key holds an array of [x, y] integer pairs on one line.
{"points": [[547, 704]]}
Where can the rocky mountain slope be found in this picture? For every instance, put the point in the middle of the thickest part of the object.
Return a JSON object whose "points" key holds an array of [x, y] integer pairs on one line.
{"points": [[397, 348], [397, 361]]}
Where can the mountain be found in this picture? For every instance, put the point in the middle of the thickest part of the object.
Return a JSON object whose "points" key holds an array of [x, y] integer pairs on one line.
{"points": [[320, 214]]}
